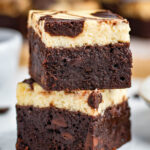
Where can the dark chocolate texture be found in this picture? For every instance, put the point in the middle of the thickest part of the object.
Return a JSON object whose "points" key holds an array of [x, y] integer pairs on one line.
{"points": [[58, 129], [84, 68], [62, 27], [95, 99]]}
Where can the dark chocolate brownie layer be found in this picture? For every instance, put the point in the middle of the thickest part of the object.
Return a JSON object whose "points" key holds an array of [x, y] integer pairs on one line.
{"points": [[84, 68], [58, 129]]}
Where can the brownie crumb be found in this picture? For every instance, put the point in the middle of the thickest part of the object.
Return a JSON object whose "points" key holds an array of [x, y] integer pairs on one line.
{"points": [[136, 96], [4, 110], [95, 99]]}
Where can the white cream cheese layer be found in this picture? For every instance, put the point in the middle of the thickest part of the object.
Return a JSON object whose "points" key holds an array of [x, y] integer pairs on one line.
{"points": [[72, 101]]}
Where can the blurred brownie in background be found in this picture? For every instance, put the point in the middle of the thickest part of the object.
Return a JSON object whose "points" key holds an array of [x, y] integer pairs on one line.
{"points": [[137, 12], [65, 4], [13, 14]]}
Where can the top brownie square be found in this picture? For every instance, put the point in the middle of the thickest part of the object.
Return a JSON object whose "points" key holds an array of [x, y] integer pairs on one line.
{"points": [[83, 50]]}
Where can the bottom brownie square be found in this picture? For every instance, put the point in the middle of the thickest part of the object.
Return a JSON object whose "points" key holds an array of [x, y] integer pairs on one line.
{"points": [[71, 120], [58, 129]]}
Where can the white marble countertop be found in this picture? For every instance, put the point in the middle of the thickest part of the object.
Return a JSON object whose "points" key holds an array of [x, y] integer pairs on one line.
{"points": [[140, 120]]}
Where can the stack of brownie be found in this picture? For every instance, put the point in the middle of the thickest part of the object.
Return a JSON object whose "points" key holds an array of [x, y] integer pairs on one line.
{"points": [[80, 64]]}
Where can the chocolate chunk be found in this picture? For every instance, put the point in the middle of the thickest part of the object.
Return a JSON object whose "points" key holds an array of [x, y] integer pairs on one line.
{"points": [[30, 82], [4, 110], [62, 27], [95, 141], [105, 14], [88, 141], [60, 121], [91, 141], [67, 136], [95, 99]]}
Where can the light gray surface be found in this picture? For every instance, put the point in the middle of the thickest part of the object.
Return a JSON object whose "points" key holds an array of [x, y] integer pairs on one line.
{"points": [[7, 140], [10, 46]]}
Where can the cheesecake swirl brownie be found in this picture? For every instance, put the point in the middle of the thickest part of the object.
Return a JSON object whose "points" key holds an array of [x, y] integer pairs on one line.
{"points": [[71, 120], [79, 50], [136, 11]]}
